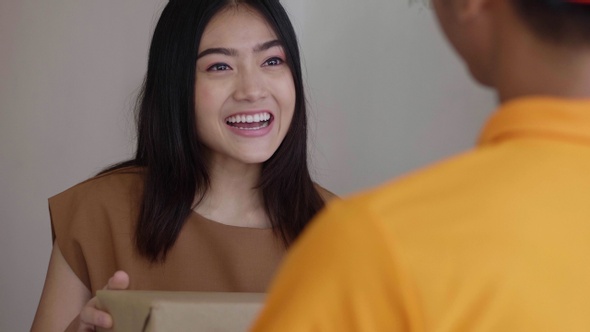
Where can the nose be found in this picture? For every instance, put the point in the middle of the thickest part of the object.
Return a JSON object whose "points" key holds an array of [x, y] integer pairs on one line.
{"points": [[250, 86]]}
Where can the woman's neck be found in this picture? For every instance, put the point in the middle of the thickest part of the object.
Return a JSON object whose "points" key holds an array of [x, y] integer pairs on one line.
{"points": [[233, 197]]}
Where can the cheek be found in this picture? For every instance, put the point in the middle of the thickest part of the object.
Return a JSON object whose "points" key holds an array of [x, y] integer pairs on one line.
{"points": [[208, 99], [203, 92], [442, 15], [438, 10], [478, 53], [287, 95], [205, 110]]}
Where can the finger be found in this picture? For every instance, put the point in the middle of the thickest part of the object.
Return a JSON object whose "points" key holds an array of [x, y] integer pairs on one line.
{"points": [[119, 281], [90, 316]]}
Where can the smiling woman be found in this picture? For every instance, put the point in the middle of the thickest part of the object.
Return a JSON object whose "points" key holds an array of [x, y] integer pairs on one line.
{"points": [[244, 91], [219, 186]]}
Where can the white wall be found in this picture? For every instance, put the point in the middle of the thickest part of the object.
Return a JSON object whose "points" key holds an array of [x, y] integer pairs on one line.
{"points": [[386, 94]]}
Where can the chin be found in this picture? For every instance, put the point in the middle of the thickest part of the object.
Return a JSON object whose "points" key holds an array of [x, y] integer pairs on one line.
{"points": [[255, 158], [481, 77]]}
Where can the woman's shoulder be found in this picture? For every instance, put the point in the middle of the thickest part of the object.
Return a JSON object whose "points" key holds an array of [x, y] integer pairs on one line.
{"points": [[110, 186], [325, 193], [88, 218], [110, 200]]}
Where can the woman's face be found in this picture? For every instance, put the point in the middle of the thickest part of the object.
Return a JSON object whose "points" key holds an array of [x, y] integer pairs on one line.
{"points": [[244, 90]]}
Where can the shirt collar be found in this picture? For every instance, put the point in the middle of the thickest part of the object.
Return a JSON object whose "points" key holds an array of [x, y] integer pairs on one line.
{"points": [[564, 119]]}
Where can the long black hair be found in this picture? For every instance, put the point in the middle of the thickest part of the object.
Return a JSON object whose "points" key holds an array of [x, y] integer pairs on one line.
{"points": [[558, 21], [168, 148]]}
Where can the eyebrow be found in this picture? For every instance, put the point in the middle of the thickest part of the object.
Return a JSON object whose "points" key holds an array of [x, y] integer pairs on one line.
{"points": [[233, 52]]}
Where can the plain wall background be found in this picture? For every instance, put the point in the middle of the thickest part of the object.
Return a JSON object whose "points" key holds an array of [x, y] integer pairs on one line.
{"points": [[386, 96]]}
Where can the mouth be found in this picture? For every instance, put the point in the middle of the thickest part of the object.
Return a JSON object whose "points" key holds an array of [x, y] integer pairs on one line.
{"points": [[250, 121]]}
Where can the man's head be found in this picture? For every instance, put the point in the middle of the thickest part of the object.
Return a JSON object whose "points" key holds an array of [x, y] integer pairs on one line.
{"points": [[479, 29], [557, 21]]}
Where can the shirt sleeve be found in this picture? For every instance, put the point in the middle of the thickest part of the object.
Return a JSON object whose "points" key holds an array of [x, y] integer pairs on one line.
{"points": [[339, 276], [68, 222]]}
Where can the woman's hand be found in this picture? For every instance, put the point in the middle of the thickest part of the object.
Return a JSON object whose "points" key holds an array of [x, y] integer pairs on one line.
{"points": [[90, 317], [65, 303]]}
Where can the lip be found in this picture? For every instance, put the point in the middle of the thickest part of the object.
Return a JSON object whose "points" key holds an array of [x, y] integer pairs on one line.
{"points": [[251, 132]]}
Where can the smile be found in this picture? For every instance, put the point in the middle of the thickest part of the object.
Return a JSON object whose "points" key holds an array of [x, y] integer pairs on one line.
{"points": [[254, 121]]}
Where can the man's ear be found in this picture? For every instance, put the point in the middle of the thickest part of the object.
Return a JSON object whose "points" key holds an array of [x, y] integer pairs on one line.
{"points": [[468, 10]]}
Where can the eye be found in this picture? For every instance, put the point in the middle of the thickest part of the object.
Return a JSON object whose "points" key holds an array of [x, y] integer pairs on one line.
{"points": [[274, 61], [219, 67]]}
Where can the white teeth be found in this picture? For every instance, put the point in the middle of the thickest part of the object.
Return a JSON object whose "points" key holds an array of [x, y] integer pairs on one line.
{"points": [[264, 124], [258, 117]]}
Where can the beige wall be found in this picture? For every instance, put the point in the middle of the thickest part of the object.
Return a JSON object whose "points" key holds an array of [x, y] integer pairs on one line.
{"points": [[386, 95]]}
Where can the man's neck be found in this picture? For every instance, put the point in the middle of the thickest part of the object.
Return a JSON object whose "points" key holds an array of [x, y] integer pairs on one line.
{"points": [[528, 66]]}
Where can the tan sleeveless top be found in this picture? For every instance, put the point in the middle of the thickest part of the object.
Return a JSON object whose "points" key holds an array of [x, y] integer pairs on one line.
{"points": [[93, 223]]}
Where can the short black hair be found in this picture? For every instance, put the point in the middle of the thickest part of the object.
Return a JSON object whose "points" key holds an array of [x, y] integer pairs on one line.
{"points": [[557, 21]]}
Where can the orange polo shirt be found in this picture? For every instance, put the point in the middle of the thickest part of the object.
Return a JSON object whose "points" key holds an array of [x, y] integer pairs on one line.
{"points": [[496, 239]]}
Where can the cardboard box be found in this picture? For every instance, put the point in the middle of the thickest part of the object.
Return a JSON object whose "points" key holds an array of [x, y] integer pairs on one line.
{"points": [[180, 311]]}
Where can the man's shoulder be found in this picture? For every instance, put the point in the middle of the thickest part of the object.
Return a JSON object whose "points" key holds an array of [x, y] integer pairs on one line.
{"points": [[420, 193], [325, 194]]}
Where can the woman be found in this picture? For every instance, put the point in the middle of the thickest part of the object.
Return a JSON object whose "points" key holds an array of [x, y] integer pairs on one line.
{"points": [[219, 185]]}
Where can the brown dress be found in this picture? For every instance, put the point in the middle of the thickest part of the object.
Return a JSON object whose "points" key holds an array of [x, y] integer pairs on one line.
{"points": [[93, 224]]}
